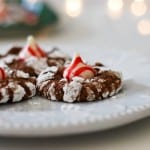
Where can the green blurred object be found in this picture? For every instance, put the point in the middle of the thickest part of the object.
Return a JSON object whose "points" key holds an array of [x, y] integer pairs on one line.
{"points": [[46, 17]]}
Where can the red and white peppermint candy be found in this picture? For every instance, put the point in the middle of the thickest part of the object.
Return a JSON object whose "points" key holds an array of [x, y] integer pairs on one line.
{"points": [[31, 49], [78, 68], [2, 74]]}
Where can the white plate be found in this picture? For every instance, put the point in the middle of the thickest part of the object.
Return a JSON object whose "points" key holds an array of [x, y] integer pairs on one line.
{"points": [[40, 117]]}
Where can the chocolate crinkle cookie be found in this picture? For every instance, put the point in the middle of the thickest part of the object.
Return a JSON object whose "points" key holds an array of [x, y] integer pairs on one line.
{"points": [[20, 66], [28, 71], [79, 82], [16, 86]]}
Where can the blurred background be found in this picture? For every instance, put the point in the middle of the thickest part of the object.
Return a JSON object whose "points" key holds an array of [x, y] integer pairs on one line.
{"points": [[88, 24]]}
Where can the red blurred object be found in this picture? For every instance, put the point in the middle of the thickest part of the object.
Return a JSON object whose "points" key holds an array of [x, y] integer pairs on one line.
{"points": [[3, 11], [31, 18]]}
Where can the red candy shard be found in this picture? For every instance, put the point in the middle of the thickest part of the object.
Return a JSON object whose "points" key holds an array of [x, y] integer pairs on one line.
{"points": [[32, 49], [2, 73], [78, 68]]}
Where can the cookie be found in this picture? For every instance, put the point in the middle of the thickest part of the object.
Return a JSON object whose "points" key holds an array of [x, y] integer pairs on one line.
{"points": [[78, 82], [19, 64], [31, 58], [12, 51], [56, 57], [16, 86]]}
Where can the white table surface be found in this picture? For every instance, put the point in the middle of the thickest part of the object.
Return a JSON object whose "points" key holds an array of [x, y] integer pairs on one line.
{"points": [[93, 29]]}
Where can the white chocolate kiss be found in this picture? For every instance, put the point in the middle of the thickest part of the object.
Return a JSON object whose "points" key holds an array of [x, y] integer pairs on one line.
{"points": [[86, 73], [31, 43]]}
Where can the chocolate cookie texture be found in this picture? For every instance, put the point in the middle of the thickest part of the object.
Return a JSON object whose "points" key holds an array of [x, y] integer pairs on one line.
{"points": [[102, 83], [57, 58], [20, 66], [53, 58], [16, 86]]}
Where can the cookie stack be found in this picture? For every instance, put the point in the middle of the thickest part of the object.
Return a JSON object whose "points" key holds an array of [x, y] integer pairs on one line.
{"points": [[28, 71]]}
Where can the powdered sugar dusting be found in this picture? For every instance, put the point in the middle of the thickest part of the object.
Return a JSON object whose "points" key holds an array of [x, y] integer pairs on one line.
{"points": [[112, 93], [19, 91], [39, 64], [72, 89], [118, 74], [105, 94], [22, 74], [16, 73], [98, 86], [9, 58], [41, 86], [47, 74], [91, 95], [57, 53], [5, 95], [51, 92], [32, 88]]}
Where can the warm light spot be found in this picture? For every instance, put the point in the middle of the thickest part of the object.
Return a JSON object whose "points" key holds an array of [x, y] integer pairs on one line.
{"points": [[115, 8], [115, 5], [138, 7], [143, 27], [73, 8]]}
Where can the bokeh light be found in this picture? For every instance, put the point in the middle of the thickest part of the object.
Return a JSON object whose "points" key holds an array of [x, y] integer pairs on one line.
{"points": [[73, 8], [115, 5], [143, 27], [115, 8], [138, 7]]}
